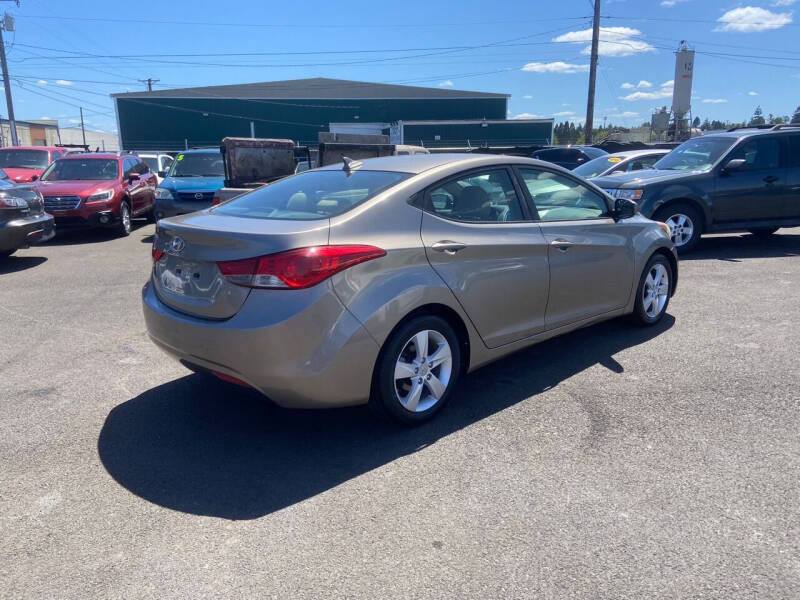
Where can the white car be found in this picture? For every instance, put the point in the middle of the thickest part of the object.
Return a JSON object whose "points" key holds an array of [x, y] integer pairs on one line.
{"points": [[158, 162], [621, 162]]}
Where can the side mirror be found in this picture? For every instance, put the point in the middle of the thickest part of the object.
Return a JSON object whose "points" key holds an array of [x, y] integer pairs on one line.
{"points": [[162, 174], [733, 165], [133, 177], [34, 177], [624, 209]]}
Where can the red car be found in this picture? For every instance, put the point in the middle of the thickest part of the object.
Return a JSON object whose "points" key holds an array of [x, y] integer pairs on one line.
{"points": [[27, 163], [98, 190]]}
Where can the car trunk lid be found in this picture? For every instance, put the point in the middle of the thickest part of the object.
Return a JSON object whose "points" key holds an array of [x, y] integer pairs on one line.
{"points": [[186, 277]]}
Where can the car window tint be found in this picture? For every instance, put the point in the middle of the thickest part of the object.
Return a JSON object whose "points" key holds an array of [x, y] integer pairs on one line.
{"points": [[480, 196], [759, 153], [794, 151], [558, 155], [127, 167], [559, 198], [142, 167], [166, 162]]}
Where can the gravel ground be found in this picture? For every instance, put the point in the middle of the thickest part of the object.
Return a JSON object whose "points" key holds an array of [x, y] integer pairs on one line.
{"points": [[614, 462]]}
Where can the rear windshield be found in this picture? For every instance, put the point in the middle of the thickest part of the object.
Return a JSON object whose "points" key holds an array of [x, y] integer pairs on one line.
{"points": [[24, 159], [82, 168], [198, 164], [311, 195]]}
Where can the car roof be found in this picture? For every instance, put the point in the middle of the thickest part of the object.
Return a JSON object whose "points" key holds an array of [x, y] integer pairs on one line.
{"points": [[747, 132], [418, 163], [49, 148], [201, 151], [106, 155]]}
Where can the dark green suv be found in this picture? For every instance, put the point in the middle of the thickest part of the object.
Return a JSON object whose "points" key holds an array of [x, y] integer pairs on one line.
{"points": [[745, 179]]}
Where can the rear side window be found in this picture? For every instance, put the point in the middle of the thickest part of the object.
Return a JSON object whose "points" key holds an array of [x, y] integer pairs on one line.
{"points": [[311, 195], [794, 151], [482, 197], [559, 198], [558, 155], [759, 153]]}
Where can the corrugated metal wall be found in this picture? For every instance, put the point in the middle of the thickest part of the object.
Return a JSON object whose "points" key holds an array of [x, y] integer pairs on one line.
{"points": [[508, 133], [164, 123]]}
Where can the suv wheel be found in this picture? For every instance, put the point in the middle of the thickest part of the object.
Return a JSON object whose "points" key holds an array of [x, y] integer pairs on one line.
{"points": [[685, 222], [124, 226], [764, 232], [6, 253], [417, 371], [652, 294]]}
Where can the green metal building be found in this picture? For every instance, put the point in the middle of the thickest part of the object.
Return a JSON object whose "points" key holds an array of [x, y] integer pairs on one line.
{"points": [[300, 109]]}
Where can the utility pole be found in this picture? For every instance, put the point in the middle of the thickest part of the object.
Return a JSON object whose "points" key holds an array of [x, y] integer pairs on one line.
{"points": [[8, 25], [149, 81], [83, 130], [592, 72]]}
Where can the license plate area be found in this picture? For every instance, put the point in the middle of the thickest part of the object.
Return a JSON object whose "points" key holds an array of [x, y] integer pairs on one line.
{"points": [[182, 277]]}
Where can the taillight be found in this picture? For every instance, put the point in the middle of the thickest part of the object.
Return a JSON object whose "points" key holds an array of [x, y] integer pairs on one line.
{"points": [[296, 269], [215, 200], [157, 254]]}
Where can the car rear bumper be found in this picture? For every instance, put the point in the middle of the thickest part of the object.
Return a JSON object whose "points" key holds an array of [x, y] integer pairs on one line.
{"points": [[300, 348], [21, 233], [173, 208]]}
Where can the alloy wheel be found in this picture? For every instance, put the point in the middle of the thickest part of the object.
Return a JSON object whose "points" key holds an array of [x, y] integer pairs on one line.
{"points": [[125, 216], [655, 290], [423, 370], [681, 227]]}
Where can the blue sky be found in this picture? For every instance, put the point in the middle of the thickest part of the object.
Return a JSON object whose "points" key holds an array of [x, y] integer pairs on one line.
{"points": [[65, 55]]}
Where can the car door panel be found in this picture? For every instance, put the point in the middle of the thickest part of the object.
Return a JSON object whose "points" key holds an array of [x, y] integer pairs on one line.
{"points": [[591, 269], [500, 276], [757, 192]]}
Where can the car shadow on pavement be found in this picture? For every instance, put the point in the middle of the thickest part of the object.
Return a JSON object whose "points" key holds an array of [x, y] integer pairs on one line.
{"points": [[202, 446], [734, 248], [13, 264]]}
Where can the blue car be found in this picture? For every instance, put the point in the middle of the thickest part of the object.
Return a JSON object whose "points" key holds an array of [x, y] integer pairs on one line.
{"points": [[191, 183]]}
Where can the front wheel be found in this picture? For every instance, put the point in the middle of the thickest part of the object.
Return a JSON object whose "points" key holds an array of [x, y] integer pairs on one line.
{"points": [[124, 226], [685, 223], [417, 371], [653, 292]]}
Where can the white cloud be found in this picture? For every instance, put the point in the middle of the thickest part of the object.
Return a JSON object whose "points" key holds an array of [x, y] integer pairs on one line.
{"points": [[644, 84], [527, 116], [628, 86], [614, 41], [671, 3], [555, 67], [528, 97], [663, 91], [44, 118], [565, 104], [41, 82], [628, 114], [714, 101], [446, 83], [752, 93], [751, 19], [73, 120], [564, 113], [783, 2], [63, 82]]}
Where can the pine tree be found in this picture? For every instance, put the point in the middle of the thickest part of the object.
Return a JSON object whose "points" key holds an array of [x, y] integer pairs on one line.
{"points": [[758, 117], [796, 115], [696, 122]]}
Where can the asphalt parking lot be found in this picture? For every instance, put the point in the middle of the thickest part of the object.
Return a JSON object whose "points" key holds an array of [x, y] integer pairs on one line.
{"points": [[614, 462]]}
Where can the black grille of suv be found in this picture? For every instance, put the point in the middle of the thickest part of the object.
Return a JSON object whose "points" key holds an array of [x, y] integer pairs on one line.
{"points": [[61, 202]]}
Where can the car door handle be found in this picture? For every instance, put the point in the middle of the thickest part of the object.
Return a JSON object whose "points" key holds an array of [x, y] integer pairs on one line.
{"points": [[770, 179], [448, 246], [562, 244]]}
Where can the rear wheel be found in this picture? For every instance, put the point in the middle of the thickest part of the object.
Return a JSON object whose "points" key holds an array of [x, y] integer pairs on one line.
{"points": [[124, 225], [417, 371], [685, 223], [764, 232], [652, 294]]}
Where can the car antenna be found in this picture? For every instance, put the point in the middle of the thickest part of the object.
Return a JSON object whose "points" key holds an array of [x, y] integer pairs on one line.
{"points": [[349, 165]]}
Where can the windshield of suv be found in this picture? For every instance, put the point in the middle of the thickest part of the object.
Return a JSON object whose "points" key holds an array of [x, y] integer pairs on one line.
{"points": [[200, 164], [697, 154], [311, 195], [24, 159], [594, 167], [82, 168]]}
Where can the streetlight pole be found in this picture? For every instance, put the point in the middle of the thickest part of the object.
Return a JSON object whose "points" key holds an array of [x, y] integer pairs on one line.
{"points": [[592, 72], [8, 25]]}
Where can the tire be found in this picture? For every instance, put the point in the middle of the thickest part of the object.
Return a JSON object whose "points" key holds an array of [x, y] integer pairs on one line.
{"points": [[686, 223], [651, 307], [124, 225], [764, 232], [416, 398], [6, 253], [151, 215]]}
